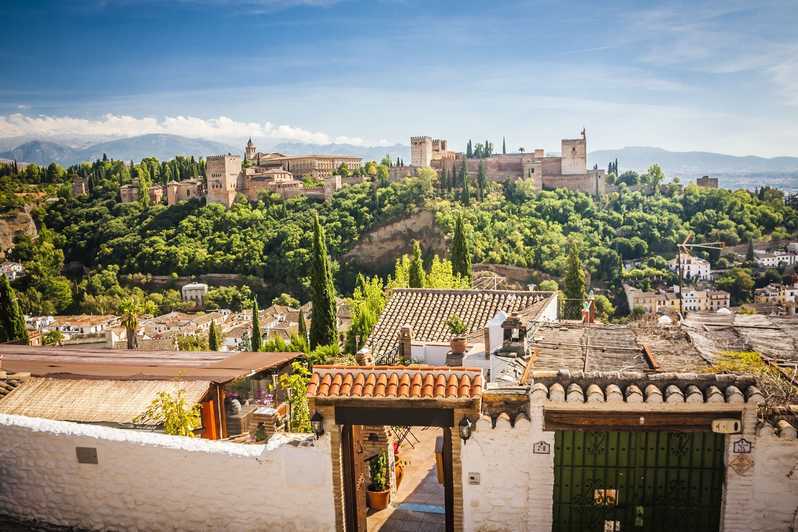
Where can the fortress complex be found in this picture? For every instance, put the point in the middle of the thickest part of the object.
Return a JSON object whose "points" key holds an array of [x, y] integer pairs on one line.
{"points": [[568, 170], [227, 176]]}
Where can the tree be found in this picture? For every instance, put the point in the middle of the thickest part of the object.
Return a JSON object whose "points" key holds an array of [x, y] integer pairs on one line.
{"points": [[368, 300], [549, 285], [302, 327], [54, 337], [324, 319], [296, 383], [604, 308], [256, 343], [460, 250], [213, 337], [465, 194], [574, 284], [12, 321], [738, 283], [482, 180], [749, 254], [131, 309], [504, 147], [177, 417], [469, 150], [286, 300], [416, 274]]}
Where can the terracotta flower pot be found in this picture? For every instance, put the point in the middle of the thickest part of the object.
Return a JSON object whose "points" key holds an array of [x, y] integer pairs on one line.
{"points": [[458, 344], [378, 500]]}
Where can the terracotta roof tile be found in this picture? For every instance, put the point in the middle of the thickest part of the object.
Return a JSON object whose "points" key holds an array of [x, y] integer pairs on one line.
{"points": [[412, 382], [426, 311]]}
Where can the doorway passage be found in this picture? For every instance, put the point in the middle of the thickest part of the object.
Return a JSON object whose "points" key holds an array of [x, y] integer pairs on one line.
{"points": [[418, 501]]}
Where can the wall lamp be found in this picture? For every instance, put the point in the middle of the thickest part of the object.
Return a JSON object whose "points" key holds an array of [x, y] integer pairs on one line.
{"points": [[465, 429], [317, 424]]}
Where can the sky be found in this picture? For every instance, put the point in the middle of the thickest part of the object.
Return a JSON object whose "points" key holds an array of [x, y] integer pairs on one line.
{"points": [[688, 76]]}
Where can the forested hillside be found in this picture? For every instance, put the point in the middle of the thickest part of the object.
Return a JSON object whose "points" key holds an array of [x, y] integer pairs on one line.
{"points": [[271, 239]]}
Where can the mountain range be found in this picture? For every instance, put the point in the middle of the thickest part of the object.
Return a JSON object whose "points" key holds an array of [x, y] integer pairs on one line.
{"points": [[163, 147]]}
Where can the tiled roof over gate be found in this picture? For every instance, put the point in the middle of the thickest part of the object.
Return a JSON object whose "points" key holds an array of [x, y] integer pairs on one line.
{"points": [[395, 382], [426, 311]]}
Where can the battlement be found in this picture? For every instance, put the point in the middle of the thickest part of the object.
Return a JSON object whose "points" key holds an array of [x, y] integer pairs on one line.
{"points": [[420, 140]]}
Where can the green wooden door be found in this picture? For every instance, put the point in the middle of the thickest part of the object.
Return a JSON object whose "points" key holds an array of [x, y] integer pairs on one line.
{"points": [[637, 481]]}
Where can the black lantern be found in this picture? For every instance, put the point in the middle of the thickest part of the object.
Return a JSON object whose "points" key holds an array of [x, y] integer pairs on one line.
{"points": [[465, 428], [317, 424]]}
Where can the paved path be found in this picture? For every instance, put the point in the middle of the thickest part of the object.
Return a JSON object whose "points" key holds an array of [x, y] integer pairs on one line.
{"points": [[419, 503]]}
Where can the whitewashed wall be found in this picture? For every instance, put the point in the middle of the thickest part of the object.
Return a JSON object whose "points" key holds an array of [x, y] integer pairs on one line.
{"points": [[775, 482], [149, 481], [515, 490]]}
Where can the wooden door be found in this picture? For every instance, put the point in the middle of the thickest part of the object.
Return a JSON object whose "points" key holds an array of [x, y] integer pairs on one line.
{"points": [[359, 462], [354, 469]]}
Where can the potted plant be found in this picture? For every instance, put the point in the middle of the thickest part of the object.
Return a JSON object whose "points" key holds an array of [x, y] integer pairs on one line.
{"points": [[377, 492], [458, 330]]}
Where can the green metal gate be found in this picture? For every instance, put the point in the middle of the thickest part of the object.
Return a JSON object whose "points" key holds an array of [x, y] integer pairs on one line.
{"points": [[637, 481]]}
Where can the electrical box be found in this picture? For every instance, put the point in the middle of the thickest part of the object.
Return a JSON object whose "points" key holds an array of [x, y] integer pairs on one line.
{"points": [[473, 478], [727, 426]]}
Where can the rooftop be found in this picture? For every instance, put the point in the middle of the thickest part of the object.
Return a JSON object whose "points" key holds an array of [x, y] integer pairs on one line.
{"points": [[426, 311], [93, 400], [213, 366], [395, 382]]}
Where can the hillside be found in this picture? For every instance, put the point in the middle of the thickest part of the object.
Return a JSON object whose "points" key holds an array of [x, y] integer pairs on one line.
{"points": [[368, 153], [133, 148]]}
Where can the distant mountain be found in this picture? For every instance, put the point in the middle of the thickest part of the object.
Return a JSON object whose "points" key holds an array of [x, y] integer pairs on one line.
{"points": [[366, 152], [692, 163], [133, 148]]}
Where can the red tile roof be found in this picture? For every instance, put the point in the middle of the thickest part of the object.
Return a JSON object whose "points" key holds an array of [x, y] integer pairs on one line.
{"points": [[395, 382]]}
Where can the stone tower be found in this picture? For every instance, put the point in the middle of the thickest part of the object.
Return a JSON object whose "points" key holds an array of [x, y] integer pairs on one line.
{"points": [[574, 155], [223, 172], [249, 151], [420, 151]]}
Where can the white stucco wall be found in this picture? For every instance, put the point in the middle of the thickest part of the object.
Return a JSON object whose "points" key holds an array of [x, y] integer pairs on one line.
{"points": [[150, 481], [775, 483], [515, 485]]}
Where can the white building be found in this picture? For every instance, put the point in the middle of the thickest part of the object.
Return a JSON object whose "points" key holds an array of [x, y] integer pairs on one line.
{"points": [[692, 267], [12, 270], [776, 259], [195, 292]]}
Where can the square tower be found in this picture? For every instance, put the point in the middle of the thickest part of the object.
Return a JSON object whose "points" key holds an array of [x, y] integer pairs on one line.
{"points": [[420, 151], [222, 172], [574, 155]]}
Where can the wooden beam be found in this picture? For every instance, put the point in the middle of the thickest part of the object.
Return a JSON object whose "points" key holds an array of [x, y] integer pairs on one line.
{"points": [[652, 361], [424, 417], [671, 421]]}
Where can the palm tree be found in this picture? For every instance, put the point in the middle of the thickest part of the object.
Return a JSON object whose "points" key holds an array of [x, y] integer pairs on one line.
{"points": [[131, 310]]}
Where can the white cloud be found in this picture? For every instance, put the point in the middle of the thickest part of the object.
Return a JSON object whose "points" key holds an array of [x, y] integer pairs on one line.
{"points": [[110, 125]]}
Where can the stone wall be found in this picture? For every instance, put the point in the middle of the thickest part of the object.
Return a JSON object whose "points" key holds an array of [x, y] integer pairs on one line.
{"points": [[149, 481]]}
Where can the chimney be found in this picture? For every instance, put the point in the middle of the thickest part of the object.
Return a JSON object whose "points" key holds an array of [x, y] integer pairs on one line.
{"points": [[405, 341]]}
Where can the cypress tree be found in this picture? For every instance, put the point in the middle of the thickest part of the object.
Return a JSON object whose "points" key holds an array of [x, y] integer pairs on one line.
{"points": [[417, 277], [302, 326], [12, 322], [482, 180], [574, 285], [460, 253], [323, 321], [504, 146], [213, 337], [257, 340], [749, 255], [466, 193], [469, 150]]}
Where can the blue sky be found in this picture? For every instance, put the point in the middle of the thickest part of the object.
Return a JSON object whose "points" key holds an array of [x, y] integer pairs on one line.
{"points": [[695, 75]]}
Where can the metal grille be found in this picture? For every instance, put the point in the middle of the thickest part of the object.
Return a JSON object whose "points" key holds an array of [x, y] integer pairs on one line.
{"points": [[638, 481]]}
